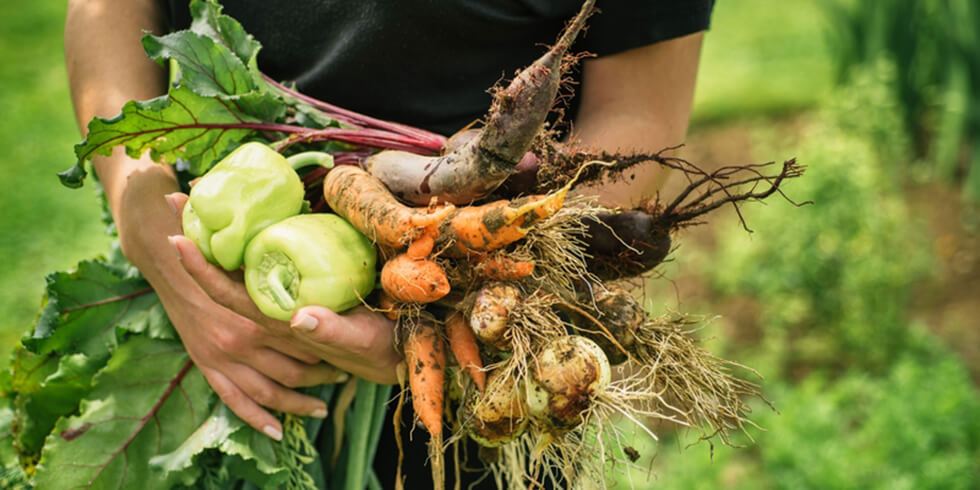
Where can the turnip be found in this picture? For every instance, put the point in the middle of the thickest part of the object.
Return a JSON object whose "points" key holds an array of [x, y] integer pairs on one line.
{"points": [[566, 376], [498, 415], [491, 313]]}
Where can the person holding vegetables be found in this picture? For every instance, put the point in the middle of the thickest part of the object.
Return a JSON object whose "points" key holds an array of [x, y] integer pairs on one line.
{"points": [[427, 64]]}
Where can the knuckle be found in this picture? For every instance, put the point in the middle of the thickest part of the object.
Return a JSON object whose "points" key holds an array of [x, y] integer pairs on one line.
{"points": [[307, 358], [231, 397], [229, 341], [364, 344], [292, 378], [249, 329], [263, 396]]}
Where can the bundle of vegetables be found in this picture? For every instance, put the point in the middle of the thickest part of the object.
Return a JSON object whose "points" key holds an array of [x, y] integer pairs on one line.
{"points": [[507, 288]]}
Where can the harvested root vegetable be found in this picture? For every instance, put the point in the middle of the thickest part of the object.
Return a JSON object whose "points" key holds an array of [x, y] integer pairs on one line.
{"points": [[492, 226], [490, 317], [502, 267], [411, 280], [498, 415], [626, 241], [465, 349], [615, 313], [365, 202], [567, 375], [387, 306], [480, 164], [425, 356]]}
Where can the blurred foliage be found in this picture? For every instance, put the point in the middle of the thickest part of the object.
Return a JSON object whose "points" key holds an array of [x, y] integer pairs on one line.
{"points": [[935, 47], [913, 428], [45, 226], [761, 60], [832, 279], [867, 399]]}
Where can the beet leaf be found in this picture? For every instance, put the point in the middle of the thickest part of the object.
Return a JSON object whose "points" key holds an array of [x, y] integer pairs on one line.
{"points": [[147, 400], [85, 307], [249, 454]]}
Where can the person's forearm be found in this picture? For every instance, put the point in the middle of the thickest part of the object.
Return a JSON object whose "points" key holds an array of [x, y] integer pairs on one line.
{"points": [[106, 68], [638, 101]]}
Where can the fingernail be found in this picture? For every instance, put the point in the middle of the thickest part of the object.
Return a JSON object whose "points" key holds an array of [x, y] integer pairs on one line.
{"points": [[343, 377], [320, 413], [272, 432], [170, 201], [173, 243], [304, 322]]}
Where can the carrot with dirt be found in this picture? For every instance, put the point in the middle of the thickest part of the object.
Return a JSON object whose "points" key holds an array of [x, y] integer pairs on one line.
{"points": [[502, 267], [478, 165], [414, 280], [465, 349], [492, 226], [425, 356], [364, 201]]}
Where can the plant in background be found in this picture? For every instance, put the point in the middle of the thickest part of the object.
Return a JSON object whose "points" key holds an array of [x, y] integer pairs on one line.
{"points": [[935, 47], [915, 427], [833, 279]]}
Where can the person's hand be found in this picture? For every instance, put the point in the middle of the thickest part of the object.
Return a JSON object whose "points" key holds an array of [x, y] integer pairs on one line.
{"points": [[359, 341]]}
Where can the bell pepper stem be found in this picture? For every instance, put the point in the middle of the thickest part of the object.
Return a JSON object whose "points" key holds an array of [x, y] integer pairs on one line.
{"points": [[310, 158], [280, 280]]}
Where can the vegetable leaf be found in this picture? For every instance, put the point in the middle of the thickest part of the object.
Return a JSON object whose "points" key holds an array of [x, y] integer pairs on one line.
{"points": [[12, 476], [180, 125], [85, 306], [206, 67], [251, 455], [48, 387], [216, 56], [147, 400], [209, 21]]}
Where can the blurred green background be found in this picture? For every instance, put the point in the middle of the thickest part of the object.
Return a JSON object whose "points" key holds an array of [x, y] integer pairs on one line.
{"points": [[860, 310]]}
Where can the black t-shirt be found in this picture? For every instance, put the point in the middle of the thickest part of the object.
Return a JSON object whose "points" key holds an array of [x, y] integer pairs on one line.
{"points": [[430, 63]]}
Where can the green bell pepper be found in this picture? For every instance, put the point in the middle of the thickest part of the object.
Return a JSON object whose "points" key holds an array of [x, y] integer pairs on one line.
{"points": [[310, 259], [250, 189]]}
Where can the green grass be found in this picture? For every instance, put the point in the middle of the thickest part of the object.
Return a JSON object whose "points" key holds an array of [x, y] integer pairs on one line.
{"points": [[762, 58], [44, 226]]}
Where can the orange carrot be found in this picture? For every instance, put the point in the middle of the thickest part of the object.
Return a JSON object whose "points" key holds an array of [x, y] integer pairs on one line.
{"points": [[500, 267], [492, 226], [464, 346], [414, 280], [425, 356], [422, 247], [364, 201], [388, 306]]}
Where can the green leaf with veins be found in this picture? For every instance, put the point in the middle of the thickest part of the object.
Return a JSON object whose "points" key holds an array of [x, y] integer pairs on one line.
{"points": [[209, 21], [206, 67], [180, 125], [147, 400], [250, 454], [48, 387], [216, 56], [85, 306]]}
